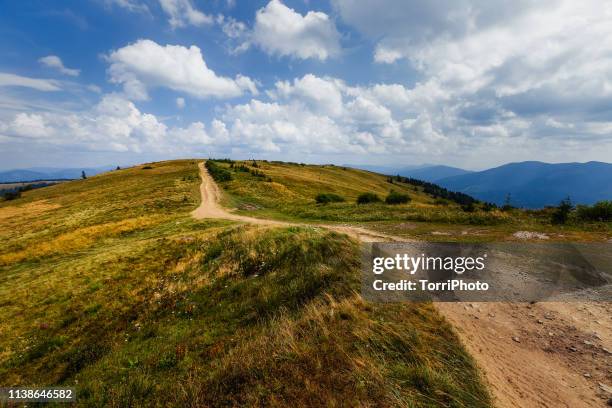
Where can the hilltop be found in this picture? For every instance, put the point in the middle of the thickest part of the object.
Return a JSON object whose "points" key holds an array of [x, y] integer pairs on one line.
{"points": [[110, 285], [288, 191]]}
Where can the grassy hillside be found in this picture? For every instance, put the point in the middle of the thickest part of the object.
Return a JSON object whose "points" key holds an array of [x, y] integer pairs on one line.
{"points": [[290, 195], [108, 285]]}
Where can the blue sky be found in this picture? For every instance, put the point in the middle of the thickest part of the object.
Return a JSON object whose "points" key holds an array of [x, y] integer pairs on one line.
{"points": [[463, 82]]}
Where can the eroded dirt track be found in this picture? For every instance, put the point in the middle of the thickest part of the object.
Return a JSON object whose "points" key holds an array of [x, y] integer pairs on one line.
{"points": [[541, 355], [210, 208]]}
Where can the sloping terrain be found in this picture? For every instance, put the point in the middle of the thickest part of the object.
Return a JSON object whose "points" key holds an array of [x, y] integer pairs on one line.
{"points": [[109, 285], [545, 354], [287, 192]]}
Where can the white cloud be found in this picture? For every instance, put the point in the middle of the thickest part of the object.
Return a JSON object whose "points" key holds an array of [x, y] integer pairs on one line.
{"points": [[315, 115], [182, 13], [114, 124], [231, 27], [146, 64], [324, 116], [322, 95], [280, 30], [53, 61], [130, 5], [29, 125], [180, 103], [504, 74], [45, 85], [94, 88]]}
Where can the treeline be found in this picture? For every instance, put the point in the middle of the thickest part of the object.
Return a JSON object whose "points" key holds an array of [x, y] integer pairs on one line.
{"points": [[15, 192], [566, 212], [253, 170], [600, 211], [436, 191], [218, 173]]}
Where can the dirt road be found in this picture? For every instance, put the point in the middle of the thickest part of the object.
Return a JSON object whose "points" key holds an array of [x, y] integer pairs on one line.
{"points": [[210, 208], [541, 355]]}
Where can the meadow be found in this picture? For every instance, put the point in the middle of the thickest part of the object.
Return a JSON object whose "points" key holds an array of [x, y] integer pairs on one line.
{"points": [[287, 191], [109, 285]]}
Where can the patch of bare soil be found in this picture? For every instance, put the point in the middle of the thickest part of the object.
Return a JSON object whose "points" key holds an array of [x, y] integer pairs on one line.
{"points": [[548, 354]]}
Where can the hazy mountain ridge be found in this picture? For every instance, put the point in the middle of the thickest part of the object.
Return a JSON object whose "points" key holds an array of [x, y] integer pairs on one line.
{"points": [[433, 173], [49, 173], [535, 184]]}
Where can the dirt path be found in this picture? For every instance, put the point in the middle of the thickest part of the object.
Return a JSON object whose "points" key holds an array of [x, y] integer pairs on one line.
{"points": [[210, 208], [542, 355]]}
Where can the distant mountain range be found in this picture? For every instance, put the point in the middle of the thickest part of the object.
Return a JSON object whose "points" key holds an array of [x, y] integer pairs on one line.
{"points": [[49, 173], [389, 170], [433, 173], [425, 172], [530, 184], [535, 184]]}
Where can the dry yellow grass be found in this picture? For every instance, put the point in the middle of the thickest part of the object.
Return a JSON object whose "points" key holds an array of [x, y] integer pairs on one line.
{"points": [[107, 284], [79, 239]]}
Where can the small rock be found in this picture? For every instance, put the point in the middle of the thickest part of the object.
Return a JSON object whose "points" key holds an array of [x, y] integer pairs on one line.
{"points": [[586, 375], [540, 321], [516, 339], [551, 334], [588, 343], [605, 388], [572, 348], [491, 314], [606, 351]]}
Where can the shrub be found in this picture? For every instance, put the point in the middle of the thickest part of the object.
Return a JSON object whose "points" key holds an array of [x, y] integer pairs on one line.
{"points": [[397, 198], [488, 206], [12, 195], [147, 168], [260, 175], [562, 212], [367, 198], [324, 198], [218, 173], [600, 211], [469, 207]]}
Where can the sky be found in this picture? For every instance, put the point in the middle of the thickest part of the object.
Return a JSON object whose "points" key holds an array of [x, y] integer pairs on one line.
{"points": [[467, 83]]}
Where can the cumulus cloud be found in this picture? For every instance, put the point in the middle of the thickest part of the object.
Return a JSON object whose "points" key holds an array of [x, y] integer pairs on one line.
{"points": [[280, 30], [113, 124], [182, 13], [146, 64], [323, 115], [45, 85], [53, 61], [29, 125], [315, 115], [495, 72], [129, 5]]}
